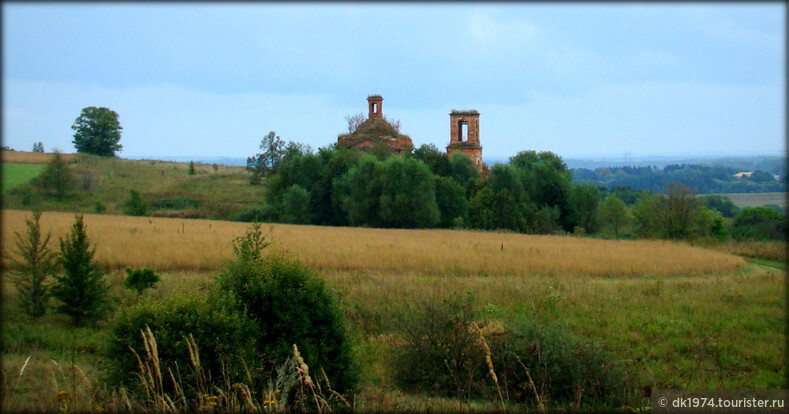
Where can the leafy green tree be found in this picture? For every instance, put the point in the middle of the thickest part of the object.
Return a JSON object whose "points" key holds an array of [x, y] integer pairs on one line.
{"points": [[451, 201], [38, 147], [547, 181], [140, 279], [334, 162], [584, 200], [649, 213], [682, 206], [545, 220], [481, 209], [97, 131], [720, 203], [463, 170], [81, 289], [31, 271], [360, 192], [135, 205], [57, 178], [408, 195], [511, 200], [760, 223], [614, 213], [265, 163], [676, 215], [191, 168], [435, 159], [296, 205]]}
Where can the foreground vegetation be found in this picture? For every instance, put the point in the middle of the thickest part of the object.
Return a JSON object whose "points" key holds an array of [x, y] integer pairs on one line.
{"points": [[681, 317]]}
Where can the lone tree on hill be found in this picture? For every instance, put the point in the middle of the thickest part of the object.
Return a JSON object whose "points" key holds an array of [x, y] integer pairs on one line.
{"points": [[98, 132]]}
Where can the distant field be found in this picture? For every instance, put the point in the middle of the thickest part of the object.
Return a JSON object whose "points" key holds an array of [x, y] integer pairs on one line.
{"points": [[199, 245], [15, 174], [758, 199], [30, 157]]}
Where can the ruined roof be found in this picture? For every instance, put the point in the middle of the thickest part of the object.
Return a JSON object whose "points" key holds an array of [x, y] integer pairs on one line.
{"points": [[376, 127], [370, 97], [464, 112]]}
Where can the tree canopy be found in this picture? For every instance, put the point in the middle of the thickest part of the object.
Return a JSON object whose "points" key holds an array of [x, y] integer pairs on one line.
{"points": [[97, 131]]}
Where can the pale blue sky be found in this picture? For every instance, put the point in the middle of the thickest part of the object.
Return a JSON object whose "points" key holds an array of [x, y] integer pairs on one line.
{"points": [[577, 79]]}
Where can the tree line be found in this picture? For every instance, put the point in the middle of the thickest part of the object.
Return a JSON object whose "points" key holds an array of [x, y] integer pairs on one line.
{"points": [[704, 179], [534, 192]]}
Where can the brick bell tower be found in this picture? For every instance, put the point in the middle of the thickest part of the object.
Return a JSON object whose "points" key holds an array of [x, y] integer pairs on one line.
{"points": [[374, 105], [464, 135]]}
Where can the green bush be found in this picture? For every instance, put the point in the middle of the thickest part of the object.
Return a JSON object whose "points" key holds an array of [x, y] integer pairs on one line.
{"points": [[760, 223], [222, 334], [259, 213], [442, 355], [99, 207], [135, 205], [181, 203], [291, 304], [296, 205], [140, 279], [563, 369], [56, 178]]}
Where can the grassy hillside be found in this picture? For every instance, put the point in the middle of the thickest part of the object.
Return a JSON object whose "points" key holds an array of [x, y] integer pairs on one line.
{"points": [[16, 174], [215, 191]]}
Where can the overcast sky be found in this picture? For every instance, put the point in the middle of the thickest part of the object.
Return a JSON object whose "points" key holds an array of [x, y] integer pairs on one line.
{"points": [[577, 79]]}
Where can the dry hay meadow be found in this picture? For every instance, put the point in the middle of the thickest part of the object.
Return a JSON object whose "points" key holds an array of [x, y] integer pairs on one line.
{"points": [[200, 245], [678, 316]]}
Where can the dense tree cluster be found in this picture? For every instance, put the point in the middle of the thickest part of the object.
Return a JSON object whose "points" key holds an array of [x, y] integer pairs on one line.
{"points": [[532, 193], [426, 189]]}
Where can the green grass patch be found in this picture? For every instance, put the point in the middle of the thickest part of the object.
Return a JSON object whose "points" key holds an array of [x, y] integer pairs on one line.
{"points": [[775, 264], [166, 186], [15, 174], [700, 332]]}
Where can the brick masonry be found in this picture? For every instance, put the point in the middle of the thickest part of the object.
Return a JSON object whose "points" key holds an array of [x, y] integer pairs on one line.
{"points": [[470, 146]]}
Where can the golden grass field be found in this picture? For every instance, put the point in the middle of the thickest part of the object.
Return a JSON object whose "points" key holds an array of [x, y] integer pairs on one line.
{"points": [[31, 157], [180, 244], [693, 318]]}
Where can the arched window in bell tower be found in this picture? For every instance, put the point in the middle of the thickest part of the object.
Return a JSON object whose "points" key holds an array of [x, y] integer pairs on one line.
{"points": [[375, 106], [463, 131]]}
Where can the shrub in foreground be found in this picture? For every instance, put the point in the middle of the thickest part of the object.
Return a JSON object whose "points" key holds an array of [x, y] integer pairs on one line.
{"points": [[222, 335], [291, 305], [445, 352], [140, 279]]}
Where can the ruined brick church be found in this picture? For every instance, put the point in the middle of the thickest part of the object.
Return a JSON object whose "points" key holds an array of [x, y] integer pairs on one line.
{"points": [[375, 131]]}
